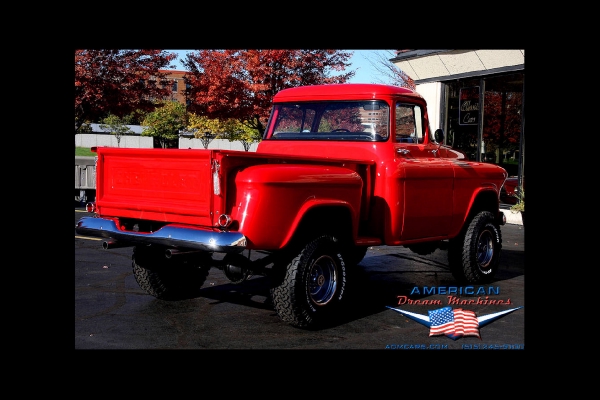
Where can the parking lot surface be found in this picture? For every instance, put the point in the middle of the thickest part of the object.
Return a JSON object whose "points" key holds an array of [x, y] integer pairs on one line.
{"points": [[112, 312]]}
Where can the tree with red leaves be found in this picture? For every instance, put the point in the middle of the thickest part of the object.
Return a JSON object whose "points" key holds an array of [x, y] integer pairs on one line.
{"points": [[118, 82], [240, 84]]}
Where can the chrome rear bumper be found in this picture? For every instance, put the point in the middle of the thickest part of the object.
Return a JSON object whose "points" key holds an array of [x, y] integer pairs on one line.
{"points": [[177, 236]]}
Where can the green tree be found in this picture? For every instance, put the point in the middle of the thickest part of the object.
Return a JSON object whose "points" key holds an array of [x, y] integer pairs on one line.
{"points": [[165, 122], [237, 130], [117, 126], [204, 128]]}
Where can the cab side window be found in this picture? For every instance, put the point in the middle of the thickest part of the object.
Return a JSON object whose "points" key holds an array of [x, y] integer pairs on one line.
{"points": [[409, 123]]}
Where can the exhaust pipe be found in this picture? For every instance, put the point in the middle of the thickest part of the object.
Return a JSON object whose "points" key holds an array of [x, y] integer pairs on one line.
{"points": [[113, 244], [174, 252]]}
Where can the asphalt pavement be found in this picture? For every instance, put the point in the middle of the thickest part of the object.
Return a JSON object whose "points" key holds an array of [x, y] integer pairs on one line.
{"points": [[397, 288]]}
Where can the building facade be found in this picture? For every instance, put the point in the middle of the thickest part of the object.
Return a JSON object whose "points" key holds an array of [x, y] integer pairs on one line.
{"points": [[477, 97], [178, 85]]}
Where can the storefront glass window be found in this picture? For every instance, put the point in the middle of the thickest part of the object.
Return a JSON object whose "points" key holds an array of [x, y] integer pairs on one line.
{"points": [[500, 138]]}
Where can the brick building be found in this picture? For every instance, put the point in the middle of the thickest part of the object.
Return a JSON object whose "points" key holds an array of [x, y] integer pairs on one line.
{"points": [[178, 85]]}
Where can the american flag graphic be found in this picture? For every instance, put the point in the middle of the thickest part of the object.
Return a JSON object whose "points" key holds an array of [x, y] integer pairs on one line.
{"points": [[453, 323]]}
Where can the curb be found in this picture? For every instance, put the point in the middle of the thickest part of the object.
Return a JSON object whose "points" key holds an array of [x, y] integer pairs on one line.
{"points": [[512, 217]]}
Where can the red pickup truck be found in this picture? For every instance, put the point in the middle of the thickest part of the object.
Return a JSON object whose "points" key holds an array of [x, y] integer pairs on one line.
{"points": [[340, 168]]}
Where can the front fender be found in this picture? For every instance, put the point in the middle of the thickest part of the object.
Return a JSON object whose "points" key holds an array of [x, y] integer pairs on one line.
{"points": [[483, 198]]}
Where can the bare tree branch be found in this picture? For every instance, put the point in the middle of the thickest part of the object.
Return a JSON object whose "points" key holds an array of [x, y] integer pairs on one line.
{"points": [[390, 73]]}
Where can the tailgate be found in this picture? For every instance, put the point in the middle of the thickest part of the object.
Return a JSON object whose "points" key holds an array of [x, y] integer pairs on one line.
{"points": [[169, 185]]}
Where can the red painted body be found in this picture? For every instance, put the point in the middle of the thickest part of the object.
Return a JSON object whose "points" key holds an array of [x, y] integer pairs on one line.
{"points": [[392, 192]]}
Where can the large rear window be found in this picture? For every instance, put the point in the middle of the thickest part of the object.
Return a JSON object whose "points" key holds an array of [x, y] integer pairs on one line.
{"points": [[343, 120]]}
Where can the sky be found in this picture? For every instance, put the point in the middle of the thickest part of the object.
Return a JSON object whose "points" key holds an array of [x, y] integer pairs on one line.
{"points": [[365, 73]]}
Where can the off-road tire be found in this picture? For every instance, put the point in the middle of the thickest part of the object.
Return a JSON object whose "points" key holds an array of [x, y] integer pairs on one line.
{"points": [[474, 255], [176, 278], [311, 288]]}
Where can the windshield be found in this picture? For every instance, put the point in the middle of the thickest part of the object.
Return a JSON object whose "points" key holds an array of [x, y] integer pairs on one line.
{"points": [[340, 120]]}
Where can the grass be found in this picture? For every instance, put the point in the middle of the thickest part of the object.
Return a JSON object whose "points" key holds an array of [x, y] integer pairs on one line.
{"points": [[84, 151]]}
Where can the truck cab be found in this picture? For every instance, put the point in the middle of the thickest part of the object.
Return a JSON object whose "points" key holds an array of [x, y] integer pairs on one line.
{"points": [[410, 189]]}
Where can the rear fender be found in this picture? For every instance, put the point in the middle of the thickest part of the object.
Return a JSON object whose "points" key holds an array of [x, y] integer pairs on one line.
{"points": [[323, 216], [272, 199]]}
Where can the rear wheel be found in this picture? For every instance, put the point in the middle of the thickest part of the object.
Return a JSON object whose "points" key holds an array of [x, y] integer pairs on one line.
{"points": [[474, 255], [175, 278], [310, 288]]}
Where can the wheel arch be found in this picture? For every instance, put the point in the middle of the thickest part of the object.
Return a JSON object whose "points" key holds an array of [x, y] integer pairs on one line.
{"points": [[483, 200], [318, 218]]}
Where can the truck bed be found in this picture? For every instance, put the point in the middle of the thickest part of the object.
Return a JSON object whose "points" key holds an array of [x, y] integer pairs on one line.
{"points": [[176, 185], [169, 185]]}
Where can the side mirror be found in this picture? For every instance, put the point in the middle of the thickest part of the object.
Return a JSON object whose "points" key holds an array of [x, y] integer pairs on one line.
{"points": [[438, 136]]}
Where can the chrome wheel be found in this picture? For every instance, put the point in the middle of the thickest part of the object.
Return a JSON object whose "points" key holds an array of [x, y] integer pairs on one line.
{"points": [[323, 280], [485, 250]]}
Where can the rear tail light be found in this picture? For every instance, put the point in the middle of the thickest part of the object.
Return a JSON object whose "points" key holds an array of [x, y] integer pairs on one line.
{"points": [[90, 207], [216, 178]]}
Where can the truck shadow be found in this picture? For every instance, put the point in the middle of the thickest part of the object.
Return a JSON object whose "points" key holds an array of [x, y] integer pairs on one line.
{"points": [[374, 284]]}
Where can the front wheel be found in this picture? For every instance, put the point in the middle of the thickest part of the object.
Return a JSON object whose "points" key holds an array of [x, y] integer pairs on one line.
{"points": [[474, 255], [310, 288]]}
